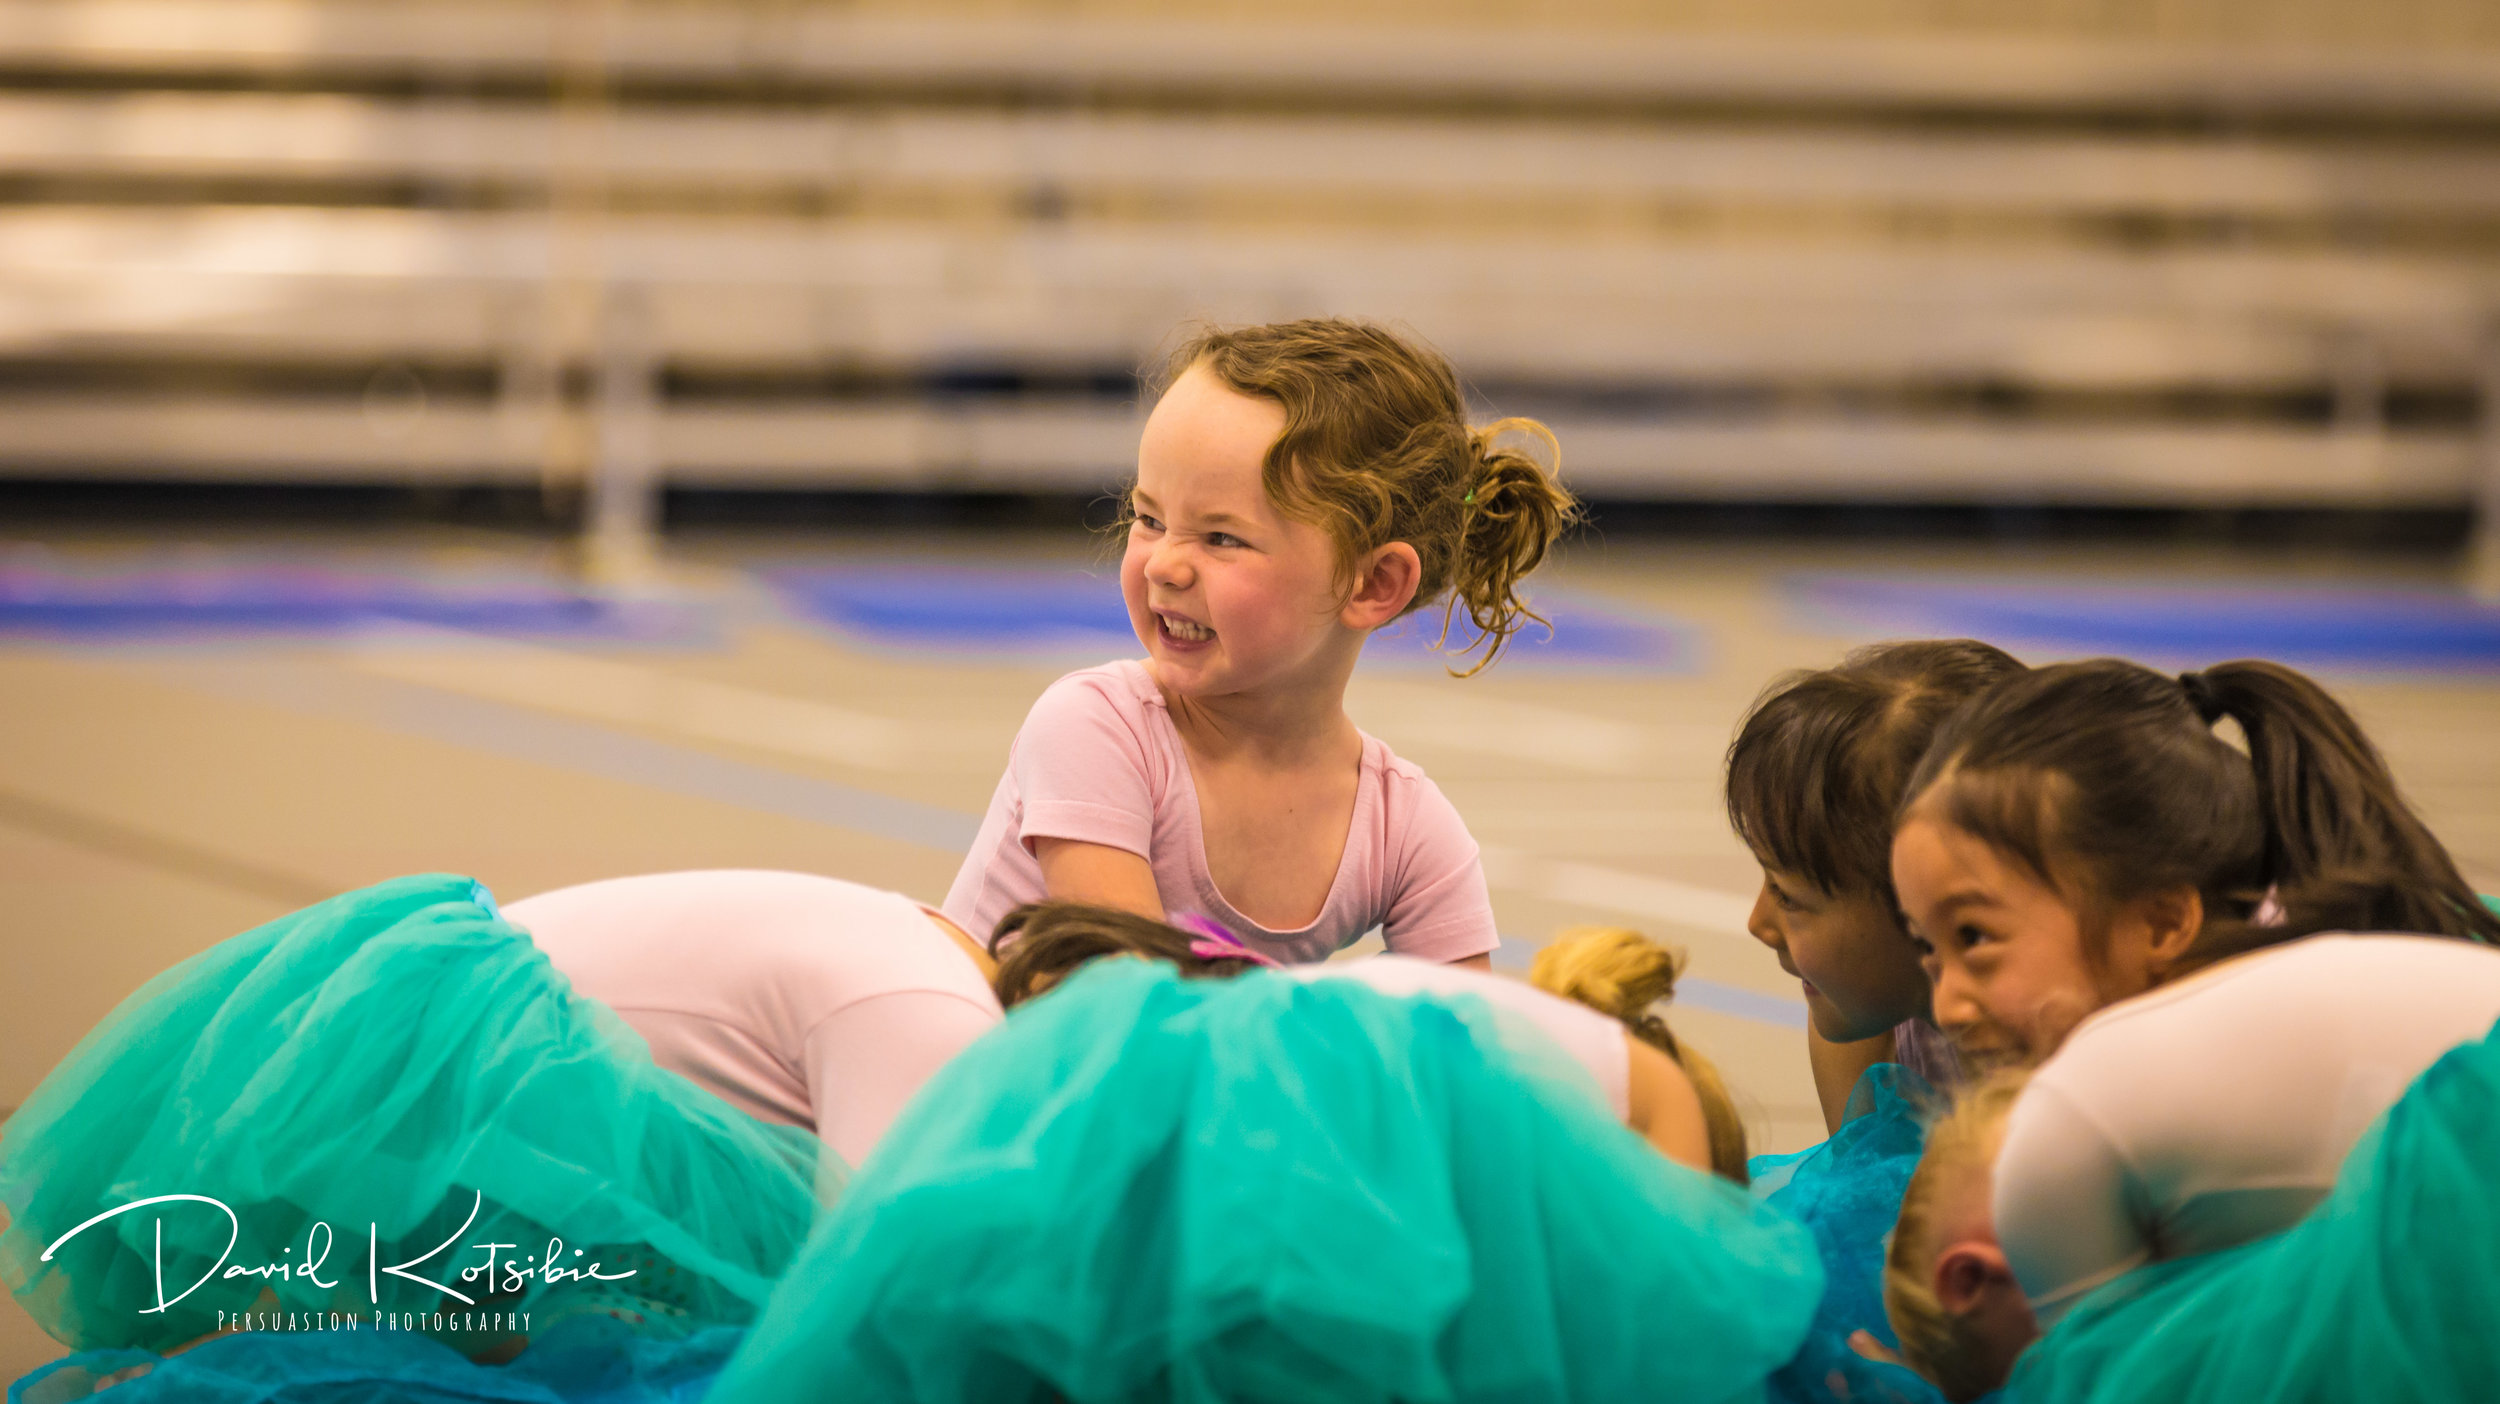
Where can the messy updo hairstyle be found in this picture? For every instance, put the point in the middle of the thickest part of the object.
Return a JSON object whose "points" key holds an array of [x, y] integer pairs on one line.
{"points": [[2106, 781], [1819, 765], [1629, 978], [1376, 448]]}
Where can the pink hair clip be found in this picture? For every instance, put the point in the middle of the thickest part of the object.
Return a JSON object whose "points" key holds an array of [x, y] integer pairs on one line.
{"points": [[1215, 943]]}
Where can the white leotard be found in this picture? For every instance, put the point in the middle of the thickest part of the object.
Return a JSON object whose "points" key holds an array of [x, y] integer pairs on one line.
{"points": [[2220, 1109], [801, 999], [1589, 1038]]}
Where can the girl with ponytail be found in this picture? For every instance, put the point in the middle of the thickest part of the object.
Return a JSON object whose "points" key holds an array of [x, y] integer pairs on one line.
{"points": [[2108, 892], [1299, 486], [2081, 834]]}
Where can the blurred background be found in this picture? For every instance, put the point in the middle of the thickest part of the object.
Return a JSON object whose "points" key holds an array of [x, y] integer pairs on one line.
{"points": [[557, 440]]}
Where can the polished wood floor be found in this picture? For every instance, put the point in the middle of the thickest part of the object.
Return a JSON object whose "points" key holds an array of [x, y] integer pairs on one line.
{"points": [[156, 797]]}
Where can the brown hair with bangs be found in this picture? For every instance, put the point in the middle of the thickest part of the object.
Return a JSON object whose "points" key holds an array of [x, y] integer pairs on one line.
{"points": [[1820, 763], [2106, 780], [1377, 448]]}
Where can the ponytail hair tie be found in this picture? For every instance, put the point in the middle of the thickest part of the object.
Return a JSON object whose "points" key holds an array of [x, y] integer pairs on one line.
{"points": [[2201, 696], [1213, 942]]}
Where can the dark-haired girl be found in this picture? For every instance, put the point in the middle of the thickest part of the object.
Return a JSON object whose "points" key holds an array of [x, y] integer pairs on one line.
{"points": [[2082, 834], [1813, 778], [2081, 837]]}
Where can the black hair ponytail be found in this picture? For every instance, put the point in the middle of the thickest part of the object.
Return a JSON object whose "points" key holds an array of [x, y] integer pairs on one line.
{"points": [[2106, 780], [2342, 848]]}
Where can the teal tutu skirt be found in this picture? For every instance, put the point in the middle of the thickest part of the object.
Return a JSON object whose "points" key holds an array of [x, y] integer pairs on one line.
{"points": [[1150, 1188], [1847, 1192], [586, 1360], [2386, 1291], [387, 1074]]}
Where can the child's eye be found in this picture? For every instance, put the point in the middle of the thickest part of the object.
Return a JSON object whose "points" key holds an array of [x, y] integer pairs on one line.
{"points": [[1141, 522], [1970, 936], [1224, 538]]}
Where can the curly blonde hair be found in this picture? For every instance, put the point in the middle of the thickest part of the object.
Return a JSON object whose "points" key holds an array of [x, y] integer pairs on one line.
{"points": [[1626, 976], [1377, 448]]}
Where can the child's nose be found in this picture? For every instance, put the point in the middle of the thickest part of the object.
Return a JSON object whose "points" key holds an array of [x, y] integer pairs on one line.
{"points": [[1762, 923], [1955, 1001], [1170, 566]]}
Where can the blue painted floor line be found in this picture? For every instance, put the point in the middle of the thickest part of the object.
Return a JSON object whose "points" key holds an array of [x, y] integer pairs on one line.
{"points": [[2306, 626], [262, 600], [992, 612]]}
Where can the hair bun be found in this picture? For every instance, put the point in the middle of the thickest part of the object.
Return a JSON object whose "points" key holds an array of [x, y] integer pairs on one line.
{"points": [[2201, 696]]}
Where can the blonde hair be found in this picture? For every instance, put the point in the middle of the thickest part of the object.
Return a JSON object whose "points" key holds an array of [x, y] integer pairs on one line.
{"points": [[1935, 1341], [1376, 448], [1625, 975]]}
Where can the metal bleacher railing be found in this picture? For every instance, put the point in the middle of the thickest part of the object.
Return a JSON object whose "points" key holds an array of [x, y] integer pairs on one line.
{"points": [[784, 244]]}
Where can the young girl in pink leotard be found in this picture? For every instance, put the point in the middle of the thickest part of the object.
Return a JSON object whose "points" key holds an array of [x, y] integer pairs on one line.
{"points": [[1299, 486]]}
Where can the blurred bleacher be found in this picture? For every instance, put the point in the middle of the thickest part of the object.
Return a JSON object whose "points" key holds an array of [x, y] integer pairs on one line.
{"points": [[2176, 252]]}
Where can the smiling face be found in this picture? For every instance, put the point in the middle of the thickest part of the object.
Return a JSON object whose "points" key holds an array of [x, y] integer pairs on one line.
{"points": [[2005, 952], [1861, 973], [1227, 593]]}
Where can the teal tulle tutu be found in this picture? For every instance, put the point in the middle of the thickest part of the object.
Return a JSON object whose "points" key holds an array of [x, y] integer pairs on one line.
{"points": [[2384, 1292], [1151, 1188], [1847, 1191], [586, 1360], [360, 1082]]}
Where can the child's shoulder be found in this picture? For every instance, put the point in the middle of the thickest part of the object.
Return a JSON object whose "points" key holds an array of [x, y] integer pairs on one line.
{"points": [[1396, 771], [1407, 794], [1122, 683]]}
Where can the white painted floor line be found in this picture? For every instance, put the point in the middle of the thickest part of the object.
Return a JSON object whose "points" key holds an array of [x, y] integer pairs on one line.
{"points": [[630, 694], [1426, 717], [1679, 904]]}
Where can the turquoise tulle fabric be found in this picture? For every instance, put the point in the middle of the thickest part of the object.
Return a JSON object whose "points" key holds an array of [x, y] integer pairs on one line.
{"points": [[405, 1067], [1150, 1188], [586, 1360], [1847, 1192], [2385, 1292]]}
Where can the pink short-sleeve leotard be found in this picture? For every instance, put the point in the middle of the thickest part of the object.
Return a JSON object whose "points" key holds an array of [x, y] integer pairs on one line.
{"points": [[1099, 761], [799, 999]]}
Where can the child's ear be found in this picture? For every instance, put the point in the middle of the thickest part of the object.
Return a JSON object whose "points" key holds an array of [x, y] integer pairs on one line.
{"points": [[1969, 1274], [1384, 584], [2172, 921]]}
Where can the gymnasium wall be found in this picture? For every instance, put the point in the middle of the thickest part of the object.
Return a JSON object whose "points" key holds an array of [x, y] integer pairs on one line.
{"points": [[2170, 254]]}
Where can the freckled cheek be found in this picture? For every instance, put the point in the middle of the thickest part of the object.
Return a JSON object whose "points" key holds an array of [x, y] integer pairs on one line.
{"points": [[1238, 603]]}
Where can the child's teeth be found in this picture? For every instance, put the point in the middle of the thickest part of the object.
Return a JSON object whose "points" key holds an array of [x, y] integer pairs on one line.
{"points": [[1183, 629]]}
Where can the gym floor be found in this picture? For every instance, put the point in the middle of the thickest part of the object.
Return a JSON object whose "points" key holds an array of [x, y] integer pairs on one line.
{"points": [[197, 736]]}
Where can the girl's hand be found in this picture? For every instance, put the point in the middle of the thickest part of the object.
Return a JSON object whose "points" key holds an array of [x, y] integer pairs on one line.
{"points": [[1098, 875]]}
